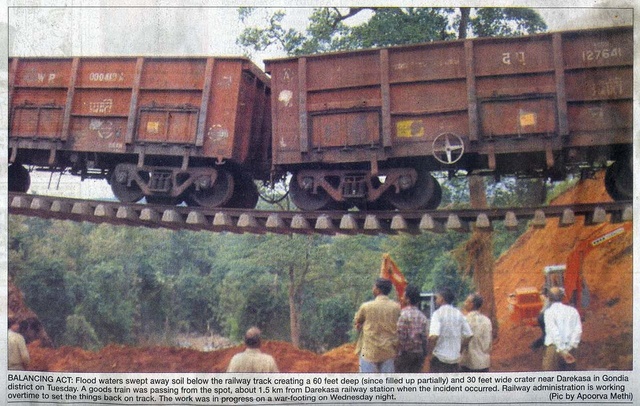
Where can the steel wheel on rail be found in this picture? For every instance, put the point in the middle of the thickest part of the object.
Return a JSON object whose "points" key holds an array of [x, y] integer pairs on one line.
{"points": [[215, 195], [436, 197], [245, 192], [618, 179], [424, 194], [123, 186], [305, 199], [19, 178]]}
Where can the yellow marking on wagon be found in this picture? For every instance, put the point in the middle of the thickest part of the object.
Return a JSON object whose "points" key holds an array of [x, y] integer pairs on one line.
{"points": [[409, 129]]}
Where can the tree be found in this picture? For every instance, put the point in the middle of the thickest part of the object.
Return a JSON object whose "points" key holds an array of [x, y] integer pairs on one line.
{"points": [[45, 292], [79, 332], [328, 28], [425, 258], [506, 22], [298, 259]]}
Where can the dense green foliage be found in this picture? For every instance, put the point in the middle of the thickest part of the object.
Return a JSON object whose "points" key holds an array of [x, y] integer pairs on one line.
{"points": [[97, 284], [333, 29]]}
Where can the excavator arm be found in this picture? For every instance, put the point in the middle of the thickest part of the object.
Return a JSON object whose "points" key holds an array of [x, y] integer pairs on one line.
{"points": [[525, 303], [389, 270], [573, 278]]}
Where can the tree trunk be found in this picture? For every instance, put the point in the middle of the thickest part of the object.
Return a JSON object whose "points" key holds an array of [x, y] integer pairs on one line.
{"points": [[478, 192], [464, 22], [480, 245], [480, 251], [294, 317]]}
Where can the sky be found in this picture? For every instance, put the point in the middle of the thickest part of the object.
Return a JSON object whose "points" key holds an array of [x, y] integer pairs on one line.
{"points": [[87, 31]]}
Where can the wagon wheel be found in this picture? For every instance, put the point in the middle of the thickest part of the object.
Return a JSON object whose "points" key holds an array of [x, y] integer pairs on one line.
{"points": [[125, 190], [423, 195], [245, 192], [448, 148], [436, 197], [618, 179], [216, 195], [19, 178], [306, 199]]}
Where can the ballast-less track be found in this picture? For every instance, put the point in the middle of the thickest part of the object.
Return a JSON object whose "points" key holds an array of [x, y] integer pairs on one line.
{"points": [[288, 222]]}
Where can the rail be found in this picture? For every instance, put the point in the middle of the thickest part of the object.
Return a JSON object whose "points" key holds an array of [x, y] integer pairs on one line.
{"points": [[325, 222]]}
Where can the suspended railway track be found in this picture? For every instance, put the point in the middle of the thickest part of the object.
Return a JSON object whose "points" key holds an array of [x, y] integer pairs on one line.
{"points": [[288, 222]]}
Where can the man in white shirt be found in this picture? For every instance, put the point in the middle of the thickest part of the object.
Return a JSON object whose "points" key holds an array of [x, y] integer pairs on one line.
{"points": [[477, 356], [449, 332], [563, 330], [18, 355]]}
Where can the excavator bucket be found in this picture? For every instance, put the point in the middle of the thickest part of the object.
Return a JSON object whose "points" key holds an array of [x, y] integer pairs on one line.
{"points": [[389, 270]]}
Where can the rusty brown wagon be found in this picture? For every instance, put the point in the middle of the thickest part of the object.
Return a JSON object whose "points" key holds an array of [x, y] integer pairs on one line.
{"points": [[364, 128], [369, 128], [169, 129]]}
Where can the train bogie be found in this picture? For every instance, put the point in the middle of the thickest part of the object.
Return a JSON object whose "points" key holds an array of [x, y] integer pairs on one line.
{"points": [[168, 129], [368, 126]]}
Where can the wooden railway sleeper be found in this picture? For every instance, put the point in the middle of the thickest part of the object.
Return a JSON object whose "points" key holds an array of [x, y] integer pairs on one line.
{"points": [[259, 221]]}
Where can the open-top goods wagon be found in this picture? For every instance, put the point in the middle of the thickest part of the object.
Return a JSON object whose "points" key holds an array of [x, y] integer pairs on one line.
{"points": [[168, 129], [364, 128], [368, 128]]}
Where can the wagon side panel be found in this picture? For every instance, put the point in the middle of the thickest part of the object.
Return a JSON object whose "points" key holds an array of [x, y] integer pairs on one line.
{"points": [[100, 107], [599, 86], [220, 132], [286, 114], [516, 88], [429, 96], [39, 98]]}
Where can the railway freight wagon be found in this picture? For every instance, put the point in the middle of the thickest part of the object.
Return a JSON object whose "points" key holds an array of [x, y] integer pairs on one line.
{"points": [[168, 129], [368, 128]]}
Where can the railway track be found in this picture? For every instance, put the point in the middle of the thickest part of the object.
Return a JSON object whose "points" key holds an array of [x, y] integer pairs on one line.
{"points": [[326, 222]]}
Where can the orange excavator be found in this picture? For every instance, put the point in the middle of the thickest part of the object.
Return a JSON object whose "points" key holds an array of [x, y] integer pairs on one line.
{"points": [[526, 303]]}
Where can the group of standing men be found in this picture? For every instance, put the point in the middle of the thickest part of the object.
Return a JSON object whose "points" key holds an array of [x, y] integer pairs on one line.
{"points": [[395, 339]]}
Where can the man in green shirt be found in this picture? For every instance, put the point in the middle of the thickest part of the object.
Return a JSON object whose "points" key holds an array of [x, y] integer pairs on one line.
{"points": [[377, 322]]}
